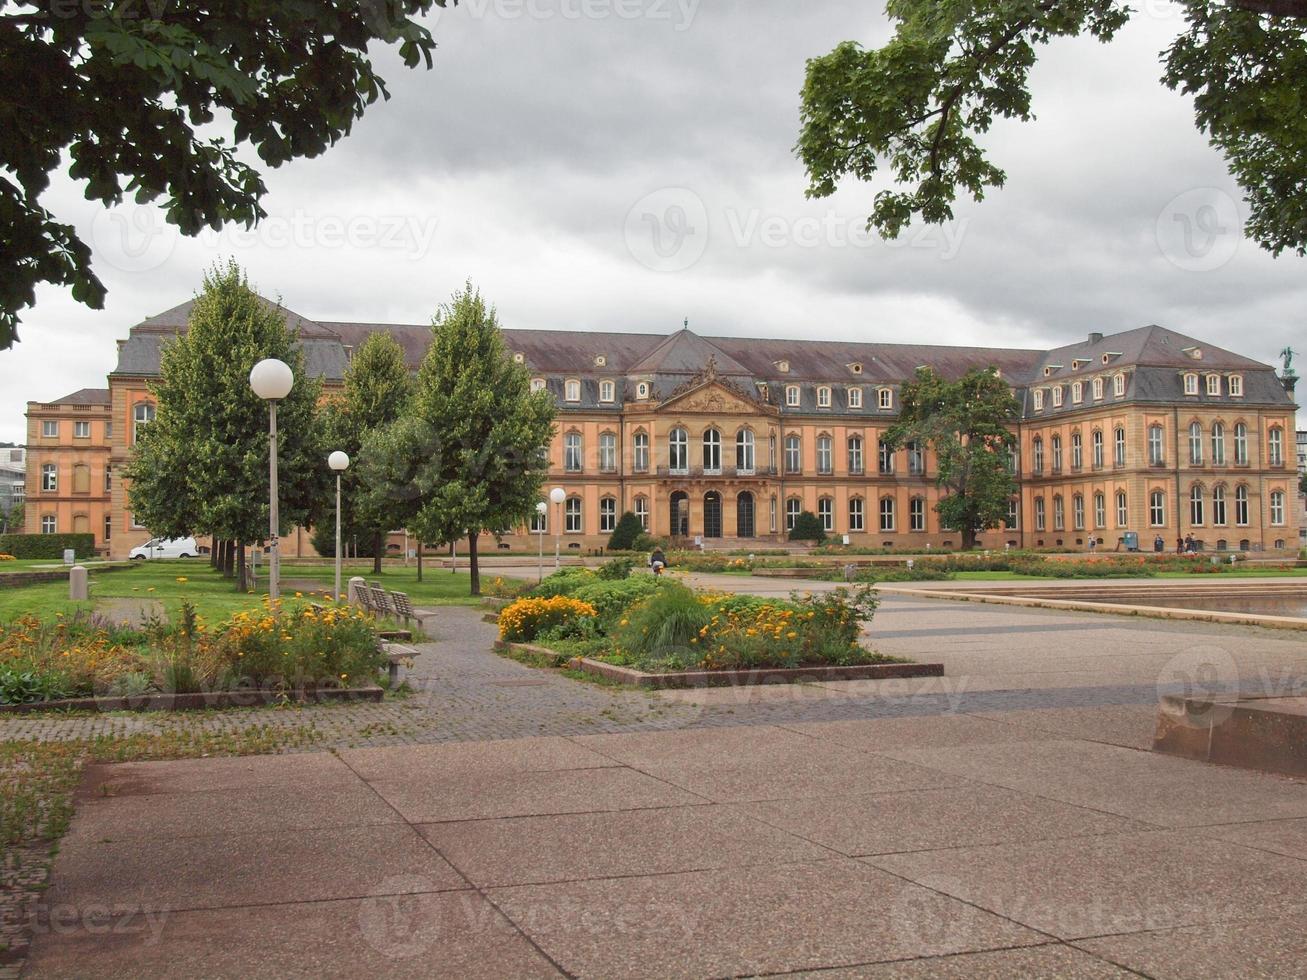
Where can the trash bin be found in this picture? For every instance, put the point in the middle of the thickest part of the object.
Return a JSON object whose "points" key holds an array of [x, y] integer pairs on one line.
{"points": [[1131, 540]]}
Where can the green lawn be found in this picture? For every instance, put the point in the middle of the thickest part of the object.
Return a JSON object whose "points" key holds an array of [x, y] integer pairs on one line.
{"points": [[215, 597]]}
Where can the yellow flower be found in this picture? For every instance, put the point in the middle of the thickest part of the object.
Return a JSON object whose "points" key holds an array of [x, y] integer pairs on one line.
{"points": [[182, 579], [150, 589]]}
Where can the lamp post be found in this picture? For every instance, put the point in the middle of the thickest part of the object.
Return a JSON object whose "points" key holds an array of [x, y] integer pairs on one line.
{"points": [[557, 495], [339, 462], [542, 508], [272, 381]]}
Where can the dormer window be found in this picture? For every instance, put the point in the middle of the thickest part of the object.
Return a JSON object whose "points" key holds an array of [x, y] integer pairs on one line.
{"points": [[855, 367], [1191, 384], [1039, 399], [855, 398], [1057, 396], [1194, 352], [572, 390], [1079, 362], [1077, 393], [607, 391], [1118, 385], [886, 396], [1236, 385], [519, 358], [642, 390], [783, 367], [601, 360], [1051, 369], [1214, 385], [792, 396], [537, 384], [823, 397], [1098, 389]]}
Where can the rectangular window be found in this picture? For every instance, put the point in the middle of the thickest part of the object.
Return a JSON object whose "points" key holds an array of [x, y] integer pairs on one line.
{"points": [[1077, 393], [917, 514], [916, 459], [573, 515], [886, 398], [826, 511], [887, 513], [792, 454], [607, 515], [108, 479], [792, 396], [572, 452], [823, 397], [641, 452], [642, 511], [1118, 385], [1236, 385], [885, 457], [1013, 514], [1213, 384], [49, 477], [1040, 516], [81, 430], [48, 525], [1057, 396], [855, 398], [1277, 507], [540, 521], [50, 429], [108, 527], [607, 391], [1100, 510], [1156, 453], [572, 391], [1191, 384], [608, 452], [1122, 510], [1098, 389], [824, 464], [792, 509], [1118, 451], [855, 514], [1078, 512]]}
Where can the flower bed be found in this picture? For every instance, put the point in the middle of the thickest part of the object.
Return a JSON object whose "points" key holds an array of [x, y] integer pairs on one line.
{"points": [[281, 650], [661, 626]]}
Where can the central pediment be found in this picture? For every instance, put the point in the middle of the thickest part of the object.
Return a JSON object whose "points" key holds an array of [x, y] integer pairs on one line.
{"points": [[713, 398]]}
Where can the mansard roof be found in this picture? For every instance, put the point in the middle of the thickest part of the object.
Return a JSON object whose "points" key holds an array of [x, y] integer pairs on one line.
{"points": [[83, 396]]}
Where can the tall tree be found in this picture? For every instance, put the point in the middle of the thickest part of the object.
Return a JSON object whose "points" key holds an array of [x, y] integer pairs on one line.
{"points": [[129, 90], [201, 467], [917, 105], [967, 424], [473, 452], [377, 391]]}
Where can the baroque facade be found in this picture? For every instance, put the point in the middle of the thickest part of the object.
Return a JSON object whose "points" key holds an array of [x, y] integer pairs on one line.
{"points": [[1145, 433]]}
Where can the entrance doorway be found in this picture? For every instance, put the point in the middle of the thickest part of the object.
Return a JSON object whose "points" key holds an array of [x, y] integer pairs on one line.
{"points": [[744, 520], [680, 514], [712, 514]]}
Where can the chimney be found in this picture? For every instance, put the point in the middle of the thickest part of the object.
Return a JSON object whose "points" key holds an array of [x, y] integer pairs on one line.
{"points": [[1095, 338]]}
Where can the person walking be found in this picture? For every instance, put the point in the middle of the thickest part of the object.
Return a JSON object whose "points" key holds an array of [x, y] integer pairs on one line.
{"points": [[657, 561]]}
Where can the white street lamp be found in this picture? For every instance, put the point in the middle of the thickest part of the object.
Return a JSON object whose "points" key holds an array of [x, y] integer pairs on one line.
{"points": [[339, 462], [542, 508], [272, 381], [557, 495]]}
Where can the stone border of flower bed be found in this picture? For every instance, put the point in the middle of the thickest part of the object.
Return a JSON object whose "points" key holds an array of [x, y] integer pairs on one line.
{"points": [[733, 678], [192, 702]]}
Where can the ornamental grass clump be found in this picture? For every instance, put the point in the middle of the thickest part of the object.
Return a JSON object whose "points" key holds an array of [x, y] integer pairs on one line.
{"points": [[526, 618]]}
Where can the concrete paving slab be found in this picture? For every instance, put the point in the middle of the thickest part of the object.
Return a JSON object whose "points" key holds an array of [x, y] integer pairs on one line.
{"points": [[936, 731], [745, 921], [250, 869], [1129, 725], [1287, 837], [565, 847], [211, 775], [1053, 960], [708, 746], [504, 755], [888, 823], [451, 934], [260, 809], [1092, 886], [1144, 786], [528, 794], [1266, 949]]}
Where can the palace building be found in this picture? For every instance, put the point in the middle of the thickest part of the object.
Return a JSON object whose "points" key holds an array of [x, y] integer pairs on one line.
{"points": [[725, 440]]}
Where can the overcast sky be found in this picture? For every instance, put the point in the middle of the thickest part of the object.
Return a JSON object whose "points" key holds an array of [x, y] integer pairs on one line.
{"points": [[625, 164]]}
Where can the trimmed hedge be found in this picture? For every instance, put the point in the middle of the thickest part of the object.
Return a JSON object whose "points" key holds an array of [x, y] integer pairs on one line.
{"points": [[46, 545]]}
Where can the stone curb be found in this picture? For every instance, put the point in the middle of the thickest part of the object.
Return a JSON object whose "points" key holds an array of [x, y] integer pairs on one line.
{"points": [[750, 678], [198, 701]]}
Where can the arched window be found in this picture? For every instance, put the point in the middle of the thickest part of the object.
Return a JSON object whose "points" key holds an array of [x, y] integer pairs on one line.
{"points": [[1241, 505], [1040, 518], [823, 396], [572, 390], [1157, 509], [744, 515], [826, 513], [744, 452], [1077, 392], [712, 451], [1097, 441], [607, 514], [1156, 452], [640, 452], [1118, 385], [1277, 507], [572, 513], [1197, 516], [793, 454], [1191, 384], [607, 391], [1122, 510], [1218, 505], [537, 384], [1218, 443], [608, 452], [678, 451], [824, 463], [1100, 510], [1196, 443], [1240, 444], [917, 514], [1039, 399], [1078, 512], [1037, 455], [855, 456], [1098, 388], [1118, 446], [887, 513], [1275, 446], [573, 455], [855, 514], [1059, 513]]}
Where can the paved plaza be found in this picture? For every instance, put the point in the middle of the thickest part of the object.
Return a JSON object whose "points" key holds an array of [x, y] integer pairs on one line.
{"points": [[1006, 819]]}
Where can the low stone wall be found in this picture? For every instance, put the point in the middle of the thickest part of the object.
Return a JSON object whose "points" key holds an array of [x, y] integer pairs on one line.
{"points": [[198, 701]]}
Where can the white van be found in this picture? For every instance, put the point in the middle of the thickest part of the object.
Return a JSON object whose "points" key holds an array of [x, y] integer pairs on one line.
{"points": [[166, 548]]}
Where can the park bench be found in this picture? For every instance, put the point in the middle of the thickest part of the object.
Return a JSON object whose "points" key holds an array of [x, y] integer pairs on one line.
{"points": [[397, 655], [380, 603], [404, 607]]}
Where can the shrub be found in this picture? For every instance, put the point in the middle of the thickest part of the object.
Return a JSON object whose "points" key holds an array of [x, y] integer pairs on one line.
{"points": [[647, 542], [47, 545], [563, 582], [7, 558], [612, 598], [522, 621], [616, 568], [667, 620], [624, 536], [808, 528]]}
